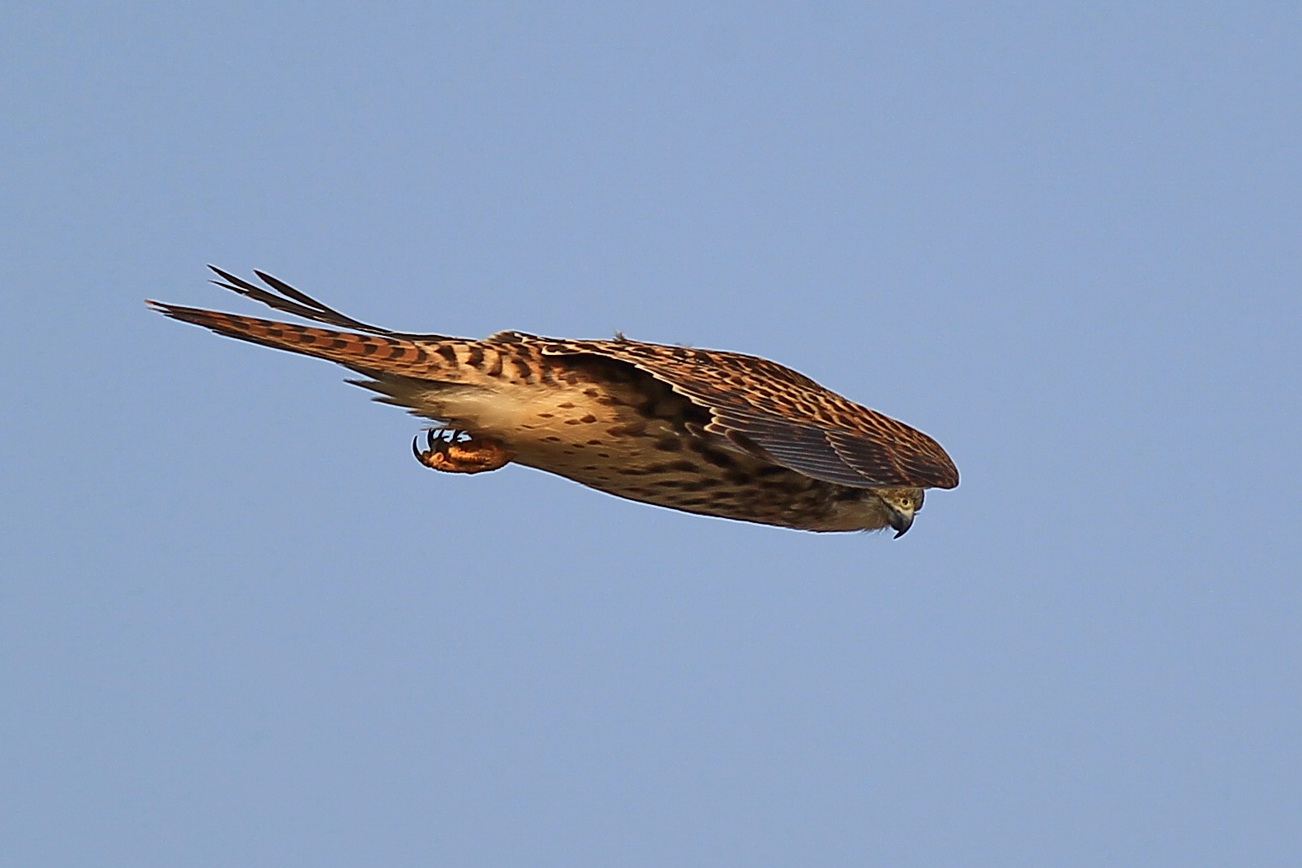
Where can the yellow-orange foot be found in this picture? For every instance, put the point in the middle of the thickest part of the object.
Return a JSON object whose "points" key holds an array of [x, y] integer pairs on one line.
{"points": [[446, 451]]}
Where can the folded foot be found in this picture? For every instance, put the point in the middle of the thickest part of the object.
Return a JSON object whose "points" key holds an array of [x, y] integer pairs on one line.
{"points": [[446, 450]]}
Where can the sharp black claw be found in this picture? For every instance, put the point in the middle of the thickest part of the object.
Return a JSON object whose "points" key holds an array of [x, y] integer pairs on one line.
{"points": [[415, 450]]}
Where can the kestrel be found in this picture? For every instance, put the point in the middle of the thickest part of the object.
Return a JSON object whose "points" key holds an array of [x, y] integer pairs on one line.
{"points": [[703, 431]]}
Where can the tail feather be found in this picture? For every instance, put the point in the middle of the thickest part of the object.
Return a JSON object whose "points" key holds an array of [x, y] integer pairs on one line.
{"points": [[298, 303], [364, 353]]}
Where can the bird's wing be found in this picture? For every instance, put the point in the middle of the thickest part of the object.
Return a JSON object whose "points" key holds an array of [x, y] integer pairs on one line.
{"points": [[774, 412]]}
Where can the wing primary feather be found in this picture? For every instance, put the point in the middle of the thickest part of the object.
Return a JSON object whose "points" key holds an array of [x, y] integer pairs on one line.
{"points": [[803, 448], [912, 457]]}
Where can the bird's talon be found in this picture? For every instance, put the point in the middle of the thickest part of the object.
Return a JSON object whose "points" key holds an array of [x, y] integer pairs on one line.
{"points": [[447, 451]]}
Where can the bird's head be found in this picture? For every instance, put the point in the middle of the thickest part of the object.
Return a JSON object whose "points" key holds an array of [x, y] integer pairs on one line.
{"points": [[901, 505]]}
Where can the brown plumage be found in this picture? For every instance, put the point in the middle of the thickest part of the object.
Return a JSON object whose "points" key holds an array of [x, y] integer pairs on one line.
{"points": [[704, 431]]}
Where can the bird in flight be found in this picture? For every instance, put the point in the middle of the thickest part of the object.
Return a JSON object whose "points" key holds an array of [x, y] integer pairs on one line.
{"points": [[702, 431]]}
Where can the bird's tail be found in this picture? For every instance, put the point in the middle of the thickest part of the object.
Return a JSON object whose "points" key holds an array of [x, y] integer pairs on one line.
{"points": [[363, 353]]}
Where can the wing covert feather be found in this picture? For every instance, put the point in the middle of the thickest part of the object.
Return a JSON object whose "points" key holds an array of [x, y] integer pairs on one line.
{"points": [[790, 418]]}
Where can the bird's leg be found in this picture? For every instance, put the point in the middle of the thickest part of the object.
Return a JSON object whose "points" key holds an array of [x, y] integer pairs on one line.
{"points": [[446, 451]]}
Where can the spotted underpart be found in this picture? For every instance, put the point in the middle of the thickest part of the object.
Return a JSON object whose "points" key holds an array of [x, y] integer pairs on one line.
{"points": [[702, 431]]}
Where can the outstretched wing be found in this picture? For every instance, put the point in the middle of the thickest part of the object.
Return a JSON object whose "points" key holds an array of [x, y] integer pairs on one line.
{"points": [[779, 414]]}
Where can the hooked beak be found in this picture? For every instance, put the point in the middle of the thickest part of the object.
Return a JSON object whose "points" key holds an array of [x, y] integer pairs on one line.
{"points": [[900, 522]]}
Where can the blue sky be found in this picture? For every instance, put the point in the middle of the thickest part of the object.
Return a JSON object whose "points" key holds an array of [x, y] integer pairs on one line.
{"points": [[239, 625]]}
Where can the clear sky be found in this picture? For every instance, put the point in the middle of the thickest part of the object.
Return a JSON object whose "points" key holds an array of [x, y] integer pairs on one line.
{"points": [[239, 625]]}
